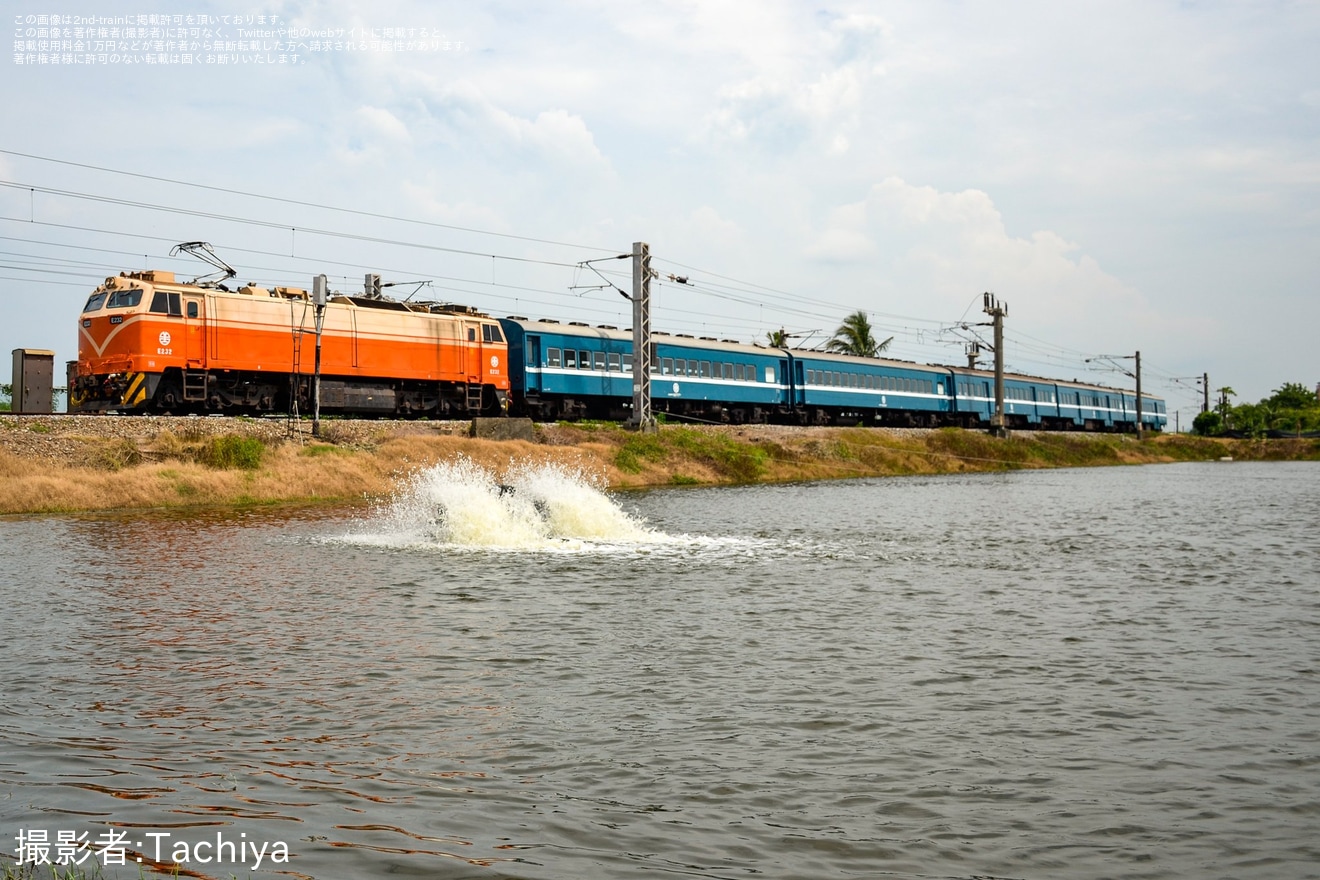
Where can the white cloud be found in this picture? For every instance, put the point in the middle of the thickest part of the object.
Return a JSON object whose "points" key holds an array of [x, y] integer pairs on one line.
{"points": [[948, 247], [382, 124]]}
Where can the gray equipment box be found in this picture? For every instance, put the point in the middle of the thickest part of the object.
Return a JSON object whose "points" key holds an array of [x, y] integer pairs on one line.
{"points": [[34, 381]]}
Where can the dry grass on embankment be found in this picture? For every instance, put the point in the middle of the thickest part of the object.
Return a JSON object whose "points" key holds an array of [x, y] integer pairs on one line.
{"points": [[77, 463]]}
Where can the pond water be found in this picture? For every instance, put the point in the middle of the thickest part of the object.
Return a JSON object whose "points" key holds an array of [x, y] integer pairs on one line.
{"points": [[1081, 673]]}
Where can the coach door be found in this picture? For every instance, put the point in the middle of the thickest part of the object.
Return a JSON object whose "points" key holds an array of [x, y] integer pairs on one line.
{"points": [[194, 331], [533, 367]]}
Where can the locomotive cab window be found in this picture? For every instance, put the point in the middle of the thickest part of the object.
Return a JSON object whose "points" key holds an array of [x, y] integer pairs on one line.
{"points": [[96, 300], [491, 333], [193, 309], [125, 299], [472, 334]]}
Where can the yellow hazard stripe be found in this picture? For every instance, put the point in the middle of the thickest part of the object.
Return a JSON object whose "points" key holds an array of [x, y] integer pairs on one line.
{"points": [[136, 392]]}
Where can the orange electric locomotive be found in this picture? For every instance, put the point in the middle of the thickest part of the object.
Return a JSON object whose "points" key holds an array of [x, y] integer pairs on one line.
{"points": [[150, 344]]}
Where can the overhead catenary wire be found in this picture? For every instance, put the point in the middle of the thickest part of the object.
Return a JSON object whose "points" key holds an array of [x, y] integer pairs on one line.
{"points": [[917, 339], [299, 202], [269, 224]]}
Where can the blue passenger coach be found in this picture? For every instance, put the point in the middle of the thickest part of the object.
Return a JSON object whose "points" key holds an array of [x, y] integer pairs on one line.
{"points": [[578, 371], [833, 388], [574, 370]]}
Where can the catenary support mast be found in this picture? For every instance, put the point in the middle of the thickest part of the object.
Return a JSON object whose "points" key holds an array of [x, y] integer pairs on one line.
{"points": [[642, 419]]}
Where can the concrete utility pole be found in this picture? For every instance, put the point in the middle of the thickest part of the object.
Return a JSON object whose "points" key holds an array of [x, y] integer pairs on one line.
{"points": [[998, 312], [319, 295], [1205, 392], [642, 419]]}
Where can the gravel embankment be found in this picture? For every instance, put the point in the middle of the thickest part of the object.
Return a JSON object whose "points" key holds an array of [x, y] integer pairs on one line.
{"points": [[67, 439]]}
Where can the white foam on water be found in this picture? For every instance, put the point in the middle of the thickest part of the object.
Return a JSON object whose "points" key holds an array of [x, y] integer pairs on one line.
{"points": [[542, 507]]}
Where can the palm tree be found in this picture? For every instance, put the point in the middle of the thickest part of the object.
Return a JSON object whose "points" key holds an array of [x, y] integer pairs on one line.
{"points": [[854, 337], [777, 338]]}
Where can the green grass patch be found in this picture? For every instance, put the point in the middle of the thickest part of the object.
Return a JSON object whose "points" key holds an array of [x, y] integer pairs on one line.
{"points": [[637, 448], [230, 451], [736, 459]]}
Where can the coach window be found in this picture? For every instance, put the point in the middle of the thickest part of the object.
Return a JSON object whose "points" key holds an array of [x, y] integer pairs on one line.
{"points": [[614, 363], [749, 372], [552, 357], [570, 358], [737, 372], [666, 366], [598, 361], [584, 360], [770, 374], [680, 367], [627, 363], [728, 371]]}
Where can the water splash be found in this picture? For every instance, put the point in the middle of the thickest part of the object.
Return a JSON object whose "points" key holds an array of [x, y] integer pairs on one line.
{"points": [[461, 505]]}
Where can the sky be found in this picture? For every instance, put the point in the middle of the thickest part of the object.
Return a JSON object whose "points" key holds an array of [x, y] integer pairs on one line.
{"points": [[1125, 176]]}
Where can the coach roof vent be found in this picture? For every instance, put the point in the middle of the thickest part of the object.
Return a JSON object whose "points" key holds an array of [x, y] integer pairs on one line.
{"points": [[606, 327], [578, 324], [548, 321], [516, 317]]}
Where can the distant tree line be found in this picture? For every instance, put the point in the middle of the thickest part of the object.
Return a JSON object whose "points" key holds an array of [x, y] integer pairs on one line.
{"points": [[1292, 409]]}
